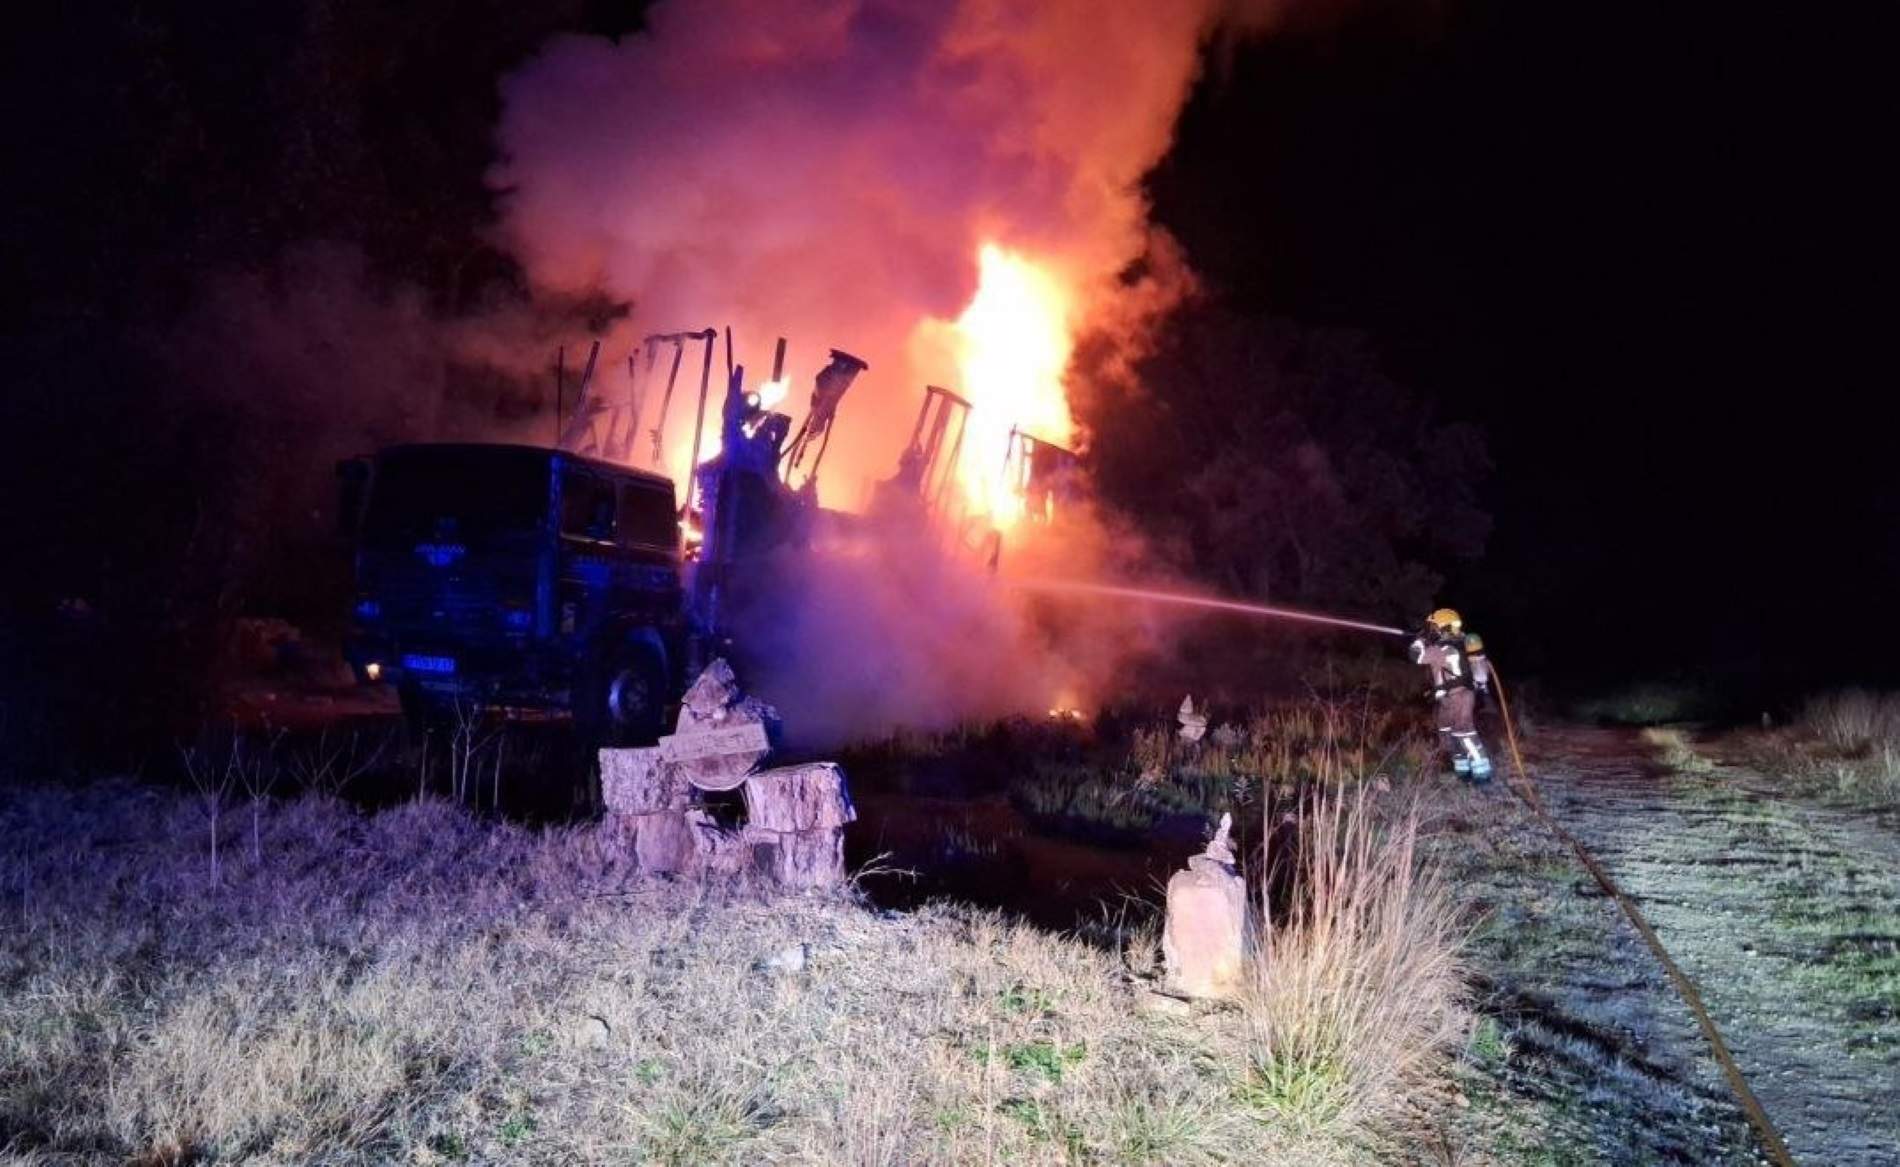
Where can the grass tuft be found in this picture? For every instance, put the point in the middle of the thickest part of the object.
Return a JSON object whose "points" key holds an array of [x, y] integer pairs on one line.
{"points": [[1677, 751], [1355, 987]]}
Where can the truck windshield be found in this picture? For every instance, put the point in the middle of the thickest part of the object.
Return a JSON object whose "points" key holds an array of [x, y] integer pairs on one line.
{"points": [[460, 494]]}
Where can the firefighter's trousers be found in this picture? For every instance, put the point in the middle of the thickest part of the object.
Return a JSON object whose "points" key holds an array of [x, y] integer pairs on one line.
{"points": [[1458, 731]]}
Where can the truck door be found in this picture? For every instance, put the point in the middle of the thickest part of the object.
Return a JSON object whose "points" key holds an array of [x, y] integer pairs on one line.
{"points": [[589, 510]]}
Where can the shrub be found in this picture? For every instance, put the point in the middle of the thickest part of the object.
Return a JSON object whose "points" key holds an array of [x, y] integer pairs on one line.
{"points": [[1854, 720], [1845, 745]]}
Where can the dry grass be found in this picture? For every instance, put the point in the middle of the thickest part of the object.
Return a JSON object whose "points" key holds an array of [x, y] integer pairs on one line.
{"points": [[1854, 720], [1314, 740], [1678, 753], [1844, 746], [419, 985], [1356, 986]]}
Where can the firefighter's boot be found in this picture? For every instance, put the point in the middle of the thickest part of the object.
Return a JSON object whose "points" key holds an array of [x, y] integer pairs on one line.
{"points": [[1470, 760], [1481, 769]]}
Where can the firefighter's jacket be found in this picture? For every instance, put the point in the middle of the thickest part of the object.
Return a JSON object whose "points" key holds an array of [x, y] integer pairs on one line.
{"points": [[1455, 662]]}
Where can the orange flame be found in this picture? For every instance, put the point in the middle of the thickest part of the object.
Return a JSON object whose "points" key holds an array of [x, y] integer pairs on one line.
{"points": [[1012, 345]]}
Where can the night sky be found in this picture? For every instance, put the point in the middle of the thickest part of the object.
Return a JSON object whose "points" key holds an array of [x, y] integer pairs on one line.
{"points": [[1627, 246], [1630, 247]]}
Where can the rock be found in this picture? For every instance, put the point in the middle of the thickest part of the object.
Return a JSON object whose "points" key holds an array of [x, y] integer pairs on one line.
{"points": [[1220, 848], [1164, 1004], [638, 782], [786, 960], [799, 798], [1204, 940], [593, 1031]]}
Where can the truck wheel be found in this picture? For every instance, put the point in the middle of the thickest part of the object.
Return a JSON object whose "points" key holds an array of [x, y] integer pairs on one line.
{"points": [[629, 699]]}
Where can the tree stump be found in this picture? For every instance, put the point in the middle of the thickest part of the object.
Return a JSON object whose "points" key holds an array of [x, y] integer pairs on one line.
{"points": [[804, 809], [639, 782], [721, 734], [799, 798], [646, 809], [664, 844], [809, 860], [795, 815]]}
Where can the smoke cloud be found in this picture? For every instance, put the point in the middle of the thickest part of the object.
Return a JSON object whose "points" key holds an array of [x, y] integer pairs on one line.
{"points": [[831, 171], [828, 171]]}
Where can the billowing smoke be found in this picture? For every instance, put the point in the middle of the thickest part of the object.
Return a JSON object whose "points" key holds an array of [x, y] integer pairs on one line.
{"points": [[313, 359], [829, 171], [834, 171]]}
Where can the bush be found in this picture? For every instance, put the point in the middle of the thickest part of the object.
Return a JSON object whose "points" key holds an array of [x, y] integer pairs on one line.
{"points": [[1852, 746], [1854, 720]]}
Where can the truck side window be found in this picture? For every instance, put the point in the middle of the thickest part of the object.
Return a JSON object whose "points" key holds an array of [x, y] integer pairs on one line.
{"points": [[647, 517], [587, 507]]}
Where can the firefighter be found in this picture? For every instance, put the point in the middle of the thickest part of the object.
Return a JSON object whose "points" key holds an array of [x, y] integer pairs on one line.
{"points": [[1455, 658]]}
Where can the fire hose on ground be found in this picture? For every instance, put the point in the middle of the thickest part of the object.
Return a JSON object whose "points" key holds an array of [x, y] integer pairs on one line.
{"points": [[1526, 791]]}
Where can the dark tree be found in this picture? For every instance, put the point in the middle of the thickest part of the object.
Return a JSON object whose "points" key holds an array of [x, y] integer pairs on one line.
{"points": [[1280, 461]]}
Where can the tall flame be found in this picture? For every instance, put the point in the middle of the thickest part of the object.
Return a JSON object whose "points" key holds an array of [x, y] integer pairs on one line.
{"points": [[1012, 346]]}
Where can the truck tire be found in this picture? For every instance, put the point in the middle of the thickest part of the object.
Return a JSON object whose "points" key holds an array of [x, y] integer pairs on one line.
{"points": [[625, 698]]}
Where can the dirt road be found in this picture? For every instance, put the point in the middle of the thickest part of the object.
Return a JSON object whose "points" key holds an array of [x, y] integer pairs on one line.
{"points": [[1786, 914]]}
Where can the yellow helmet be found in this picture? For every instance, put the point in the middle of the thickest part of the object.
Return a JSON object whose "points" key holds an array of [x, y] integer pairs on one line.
{"points": [[1446, 621]]}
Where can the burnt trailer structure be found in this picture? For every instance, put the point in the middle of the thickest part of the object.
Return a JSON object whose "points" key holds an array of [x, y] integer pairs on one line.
{"points": [[522, 579], [750, 511]]}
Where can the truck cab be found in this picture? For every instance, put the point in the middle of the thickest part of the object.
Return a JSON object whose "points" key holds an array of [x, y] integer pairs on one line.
{"points": [[521, 580]]}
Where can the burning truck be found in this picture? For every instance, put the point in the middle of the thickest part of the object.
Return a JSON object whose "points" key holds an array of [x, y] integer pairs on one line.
{"points": [[564, 583]]}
